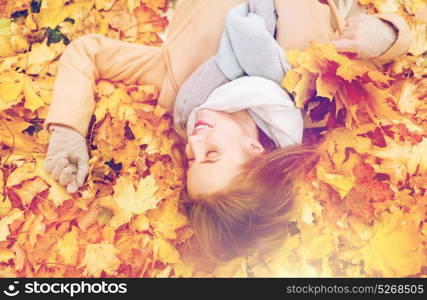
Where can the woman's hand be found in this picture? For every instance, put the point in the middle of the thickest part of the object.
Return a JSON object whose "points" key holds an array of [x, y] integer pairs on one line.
{"points": [[366, 35], [67, 157]]}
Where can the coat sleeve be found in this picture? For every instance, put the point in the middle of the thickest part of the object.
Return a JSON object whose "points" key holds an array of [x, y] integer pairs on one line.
{"points": [[92, 57]]}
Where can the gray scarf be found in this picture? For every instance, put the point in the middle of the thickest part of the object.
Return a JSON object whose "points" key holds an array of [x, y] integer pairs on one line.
{"points": [[247, 48]]}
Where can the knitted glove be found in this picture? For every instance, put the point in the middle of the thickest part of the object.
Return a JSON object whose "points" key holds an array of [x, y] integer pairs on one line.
{"points": [[266, 10], [255, 48], [67, 157], [249, 36], [367, 36]]}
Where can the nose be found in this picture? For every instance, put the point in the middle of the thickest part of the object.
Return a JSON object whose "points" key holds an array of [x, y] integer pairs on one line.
{"points": [[195, 147]]}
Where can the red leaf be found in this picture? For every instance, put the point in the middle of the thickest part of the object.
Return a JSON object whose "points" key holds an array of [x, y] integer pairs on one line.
{"points": [[355, 92], [330, 74], [377, 138]]}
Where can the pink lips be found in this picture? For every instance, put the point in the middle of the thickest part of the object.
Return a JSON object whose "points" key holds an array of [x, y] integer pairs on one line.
{"points": [[200, 125]]}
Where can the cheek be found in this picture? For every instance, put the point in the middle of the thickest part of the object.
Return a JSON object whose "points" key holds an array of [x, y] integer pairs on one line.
{"points": [[195, 182], [227, 134], [189, 178]]}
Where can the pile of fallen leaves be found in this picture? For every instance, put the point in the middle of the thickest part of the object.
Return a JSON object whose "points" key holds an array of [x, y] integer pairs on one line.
{"points": [[361, 210], [125, 221]]}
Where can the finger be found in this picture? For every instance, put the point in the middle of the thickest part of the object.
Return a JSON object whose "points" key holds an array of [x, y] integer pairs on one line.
{"points": [[74, 168], [49, 163], [60, 165], [356, 18], [66, 175], [345, 45], [72, 187], [267, 11], [348, 34], [82, 170]]}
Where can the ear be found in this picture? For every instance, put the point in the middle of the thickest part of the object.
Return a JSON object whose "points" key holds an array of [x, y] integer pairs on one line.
{"points": [[252, 146]]}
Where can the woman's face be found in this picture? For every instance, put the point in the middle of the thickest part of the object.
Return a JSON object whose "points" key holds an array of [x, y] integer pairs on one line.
{"points": [[217, 146]]}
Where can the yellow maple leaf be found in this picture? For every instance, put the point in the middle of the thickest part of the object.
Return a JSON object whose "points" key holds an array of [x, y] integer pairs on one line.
{"points": [[6, 221], [136, 201], [40, 56], [120, 216], [19, 43], [12, 134], [419, 40], [320, 246], [32, 100], [309, 207], [6, 254], [32, 227], [166, 219], [291, 79], [126, 155], [23, 172], [5, 206], [5, 26], [401, 158], [6, 48], [57, 192], [418, 157], [184, 269], [164, 251], [325, 88], [342, 184], [111, 103], [141, 223], [100, 257], [105, 88], [339, 139], [119, 18], [10, 91], [408, 100], [236, 267], [304, 87], [1, 186], [37, 229], [29, 189], [104, 4], [126, 112], [384, 6], [67, 247], [396, 247], [52, 13]]}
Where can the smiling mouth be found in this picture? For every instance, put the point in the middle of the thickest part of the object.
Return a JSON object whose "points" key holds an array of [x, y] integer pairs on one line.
{"points": [[201, 125]]}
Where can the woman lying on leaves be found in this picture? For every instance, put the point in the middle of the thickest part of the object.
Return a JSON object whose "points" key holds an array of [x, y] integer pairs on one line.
{"points": [[243, 132]]}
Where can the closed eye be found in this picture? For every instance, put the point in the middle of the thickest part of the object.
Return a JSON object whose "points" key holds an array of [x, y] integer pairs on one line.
{"points": [[211, 157]]}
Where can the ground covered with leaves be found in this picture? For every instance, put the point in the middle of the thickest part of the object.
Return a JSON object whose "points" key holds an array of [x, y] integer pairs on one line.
{"points": [[362, 209]]}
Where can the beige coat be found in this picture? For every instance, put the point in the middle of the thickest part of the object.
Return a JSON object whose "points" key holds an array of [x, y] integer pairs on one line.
{"points": [[193, 37]]}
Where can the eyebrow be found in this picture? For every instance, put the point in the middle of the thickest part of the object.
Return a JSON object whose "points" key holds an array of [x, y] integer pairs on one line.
{"points": [[209, 161]]}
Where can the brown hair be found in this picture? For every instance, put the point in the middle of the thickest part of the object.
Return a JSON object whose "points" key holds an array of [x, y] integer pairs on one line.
{"points": [[254, 211]]}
